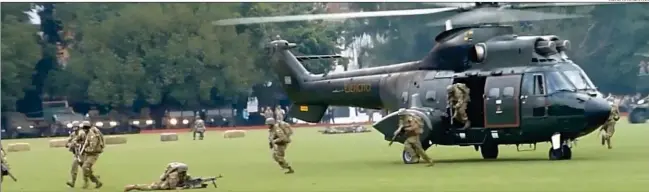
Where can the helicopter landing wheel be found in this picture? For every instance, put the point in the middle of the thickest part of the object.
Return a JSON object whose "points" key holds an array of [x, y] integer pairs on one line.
{"points": [[408, 158], [563, 153], [489, 151]]}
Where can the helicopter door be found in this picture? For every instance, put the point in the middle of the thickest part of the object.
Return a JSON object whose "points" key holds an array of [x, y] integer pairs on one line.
{"points": [[501, 101]]}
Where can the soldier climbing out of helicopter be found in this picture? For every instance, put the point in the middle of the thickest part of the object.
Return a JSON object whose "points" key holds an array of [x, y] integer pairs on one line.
{"points": [[458, 98]]}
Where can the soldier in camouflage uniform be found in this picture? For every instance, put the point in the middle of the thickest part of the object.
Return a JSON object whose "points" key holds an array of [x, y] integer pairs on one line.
{"points": [[73, 144], [608, 129], [173, 177], [279, 113], [279, 138], [199, 128], [93, 146], [413, 127], [3, 160], [458, 98]]}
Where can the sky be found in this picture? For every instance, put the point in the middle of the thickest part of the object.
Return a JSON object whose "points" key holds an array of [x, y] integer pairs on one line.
{"points": [[33, 15]]}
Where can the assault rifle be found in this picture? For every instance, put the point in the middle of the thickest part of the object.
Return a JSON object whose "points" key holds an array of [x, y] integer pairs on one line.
{"points": [[200, 182], [5, 172], [398, 132]]}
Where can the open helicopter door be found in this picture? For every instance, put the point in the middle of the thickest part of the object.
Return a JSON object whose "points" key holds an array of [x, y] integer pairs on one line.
{"points": [[501, 101]]}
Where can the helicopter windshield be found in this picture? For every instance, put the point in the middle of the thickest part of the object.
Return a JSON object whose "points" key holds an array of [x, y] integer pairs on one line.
{"points": [[579, 79], [557, 83]]}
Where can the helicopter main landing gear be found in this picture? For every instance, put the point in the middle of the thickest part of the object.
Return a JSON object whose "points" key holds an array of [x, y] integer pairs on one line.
{"points": [[489, 151], [560, 149]]}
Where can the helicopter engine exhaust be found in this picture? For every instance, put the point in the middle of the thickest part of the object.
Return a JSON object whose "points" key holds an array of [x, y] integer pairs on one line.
{"points": [[562, 45]]}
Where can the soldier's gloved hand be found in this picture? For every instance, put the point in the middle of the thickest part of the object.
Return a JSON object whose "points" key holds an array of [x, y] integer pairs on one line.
{"points": [[270, 144]]}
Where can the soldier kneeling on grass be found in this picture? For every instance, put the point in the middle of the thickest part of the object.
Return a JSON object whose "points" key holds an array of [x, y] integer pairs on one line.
{"points": [[173, 178]]}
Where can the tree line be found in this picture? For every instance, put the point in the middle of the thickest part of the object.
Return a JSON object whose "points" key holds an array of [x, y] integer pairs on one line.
{"points": [[126, 55]]}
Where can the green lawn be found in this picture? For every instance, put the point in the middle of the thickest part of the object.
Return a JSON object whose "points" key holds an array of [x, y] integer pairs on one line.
{"points": [[350, 162]]}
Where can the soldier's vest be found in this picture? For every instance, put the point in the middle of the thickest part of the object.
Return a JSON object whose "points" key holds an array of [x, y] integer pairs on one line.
{"points": [[199, 125], [279, 132], [615, 113], [95, 141]]}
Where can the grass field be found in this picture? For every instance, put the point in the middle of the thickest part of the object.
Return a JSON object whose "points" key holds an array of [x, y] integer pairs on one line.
{"points": [[349, 162]]}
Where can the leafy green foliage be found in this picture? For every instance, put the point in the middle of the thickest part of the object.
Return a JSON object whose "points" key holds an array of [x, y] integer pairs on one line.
{"points": [[20, 52]]}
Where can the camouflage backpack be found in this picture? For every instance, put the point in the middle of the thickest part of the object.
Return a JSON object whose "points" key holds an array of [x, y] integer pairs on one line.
{"points": [[95, 141], [286, 128]]}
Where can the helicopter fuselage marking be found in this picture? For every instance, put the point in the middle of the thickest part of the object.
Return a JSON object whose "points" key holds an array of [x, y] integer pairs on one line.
{"points": [[357, 88]]}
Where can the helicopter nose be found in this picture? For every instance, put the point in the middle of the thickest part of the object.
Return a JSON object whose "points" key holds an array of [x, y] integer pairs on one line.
{"points": [[596, 111]]}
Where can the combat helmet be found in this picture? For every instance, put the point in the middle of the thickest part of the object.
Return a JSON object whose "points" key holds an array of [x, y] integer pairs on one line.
{"points": [[270, 121], [85, 124]]}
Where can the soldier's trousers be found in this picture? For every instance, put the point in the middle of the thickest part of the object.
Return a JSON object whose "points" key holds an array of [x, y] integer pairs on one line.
{"points": [[89, 161], [459, 112], [279, 151], [201, 134], [414, 148], [74, 169], [609, 129]]}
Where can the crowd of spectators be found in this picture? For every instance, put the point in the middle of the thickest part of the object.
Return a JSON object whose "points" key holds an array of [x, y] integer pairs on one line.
{"points": [[625, 101]]}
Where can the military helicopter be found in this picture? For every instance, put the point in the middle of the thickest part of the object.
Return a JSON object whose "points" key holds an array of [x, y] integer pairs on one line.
{"points": [[524, 89]]}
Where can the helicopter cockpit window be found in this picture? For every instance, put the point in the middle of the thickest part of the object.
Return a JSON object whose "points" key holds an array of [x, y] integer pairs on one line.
{"points": [[508, 92], [557, 82], [579, 79], [494, 93], [539, 84]]}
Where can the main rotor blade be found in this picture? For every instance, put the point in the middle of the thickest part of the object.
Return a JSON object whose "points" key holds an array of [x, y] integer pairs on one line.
{"points": [[496, 15], [288, 18], [458, 5], [541, 5]]}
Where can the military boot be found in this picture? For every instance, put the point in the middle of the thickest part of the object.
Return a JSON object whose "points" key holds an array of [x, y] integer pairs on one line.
{"points": [[70, 183], [290, 170], [85, 185], [98, 184]]}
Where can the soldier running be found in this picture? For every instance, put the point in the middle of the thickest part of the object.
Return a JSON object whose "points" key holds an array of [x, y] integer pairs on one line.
{"points": [[74, 145], [173, 177], [199, 128], [458, 98], [608, 129], [93, 145], [279, 138], [413, 127]]}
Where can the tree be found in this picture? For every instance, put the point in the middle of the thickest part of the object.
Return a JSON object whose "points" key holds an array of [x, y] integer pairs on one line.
{"points": [[169, 53], [20, 52]]}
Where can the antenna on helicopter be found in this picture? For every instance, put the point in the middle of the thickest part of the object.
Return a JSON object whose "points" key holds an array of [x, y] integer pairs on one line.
{"points": [[449, 26]]}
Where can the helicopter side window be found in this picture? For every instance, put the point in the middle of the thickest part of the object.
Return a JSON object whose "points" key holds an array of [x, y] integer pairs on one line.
{"points": [[494, 93], [539, 85], [508, 92], [557, 82]]}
